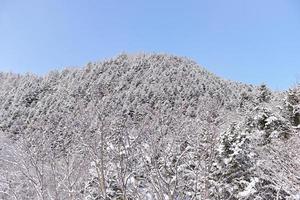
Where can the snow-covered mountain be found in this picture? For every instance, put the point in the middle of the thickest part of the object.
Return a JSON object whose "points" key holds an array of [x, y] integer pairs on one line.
{"points": [[146, 126]]}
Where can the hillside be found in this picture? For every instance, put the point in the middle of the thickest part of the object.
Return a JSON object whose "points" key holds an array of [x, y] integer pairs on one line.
{"points": [[146, 126]]}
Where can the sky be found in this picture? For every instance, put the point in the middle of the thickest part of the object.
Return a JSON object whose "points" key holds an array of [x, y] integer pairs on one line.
{"points": [[251, 41]]}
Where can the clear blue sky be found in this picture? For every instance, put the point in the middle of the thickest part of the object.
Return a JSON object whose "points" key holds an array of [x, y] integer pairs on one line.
{"points": [[252, 41]]}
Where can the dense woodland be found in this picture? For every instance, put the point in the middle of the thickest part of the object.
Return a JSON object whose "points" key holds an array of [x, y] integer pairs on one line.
{"points": [[147, 126]]}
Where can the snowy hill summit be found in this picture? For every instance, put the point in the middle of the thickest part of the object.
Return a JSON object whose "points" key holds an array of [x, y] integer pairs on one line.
{"points": [[146, 126]]}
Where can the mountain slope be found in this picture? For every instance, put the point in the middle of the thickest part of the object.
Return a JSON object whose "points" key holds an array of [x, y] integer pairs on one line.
{"points": [[145, 127]]}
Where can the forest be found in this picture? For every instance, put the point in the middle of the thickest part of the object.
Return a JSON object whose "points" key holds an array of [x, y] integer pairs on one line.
{"points": [[146, 127]]}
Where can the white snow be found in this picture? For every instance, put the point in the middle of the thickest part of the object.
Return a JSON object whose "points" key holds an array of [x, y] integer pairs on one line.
{"points": [[250, 189]]}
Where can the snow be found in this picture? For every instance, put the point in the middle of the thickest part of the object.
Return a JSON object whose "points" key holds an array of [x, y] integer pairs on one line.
{"points": [[270, 120], [250, 189]]}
